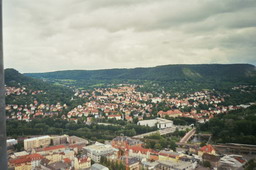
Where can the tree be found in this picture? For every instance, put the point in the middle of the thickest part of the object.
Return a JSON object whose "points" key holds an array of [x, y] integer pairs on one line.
{"points": [[207, 164]]}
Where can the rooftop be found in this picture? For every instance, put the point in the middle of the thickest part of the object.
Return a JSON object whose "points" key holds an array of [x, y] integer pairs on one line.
{"points": [[37, 138]]}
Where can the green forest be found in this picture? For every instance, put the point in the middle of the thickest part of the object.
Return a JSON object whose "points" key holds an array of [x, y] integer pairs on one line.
{"points": [[173, 77], [52, 93], [96, 132], [237, 126]]}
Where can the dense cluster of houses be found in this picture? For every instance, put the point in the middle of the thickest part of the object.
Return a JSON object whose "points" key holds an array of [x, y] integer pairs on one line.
{"points": [[125, 103], [28, 112], [71, 152], [20, 91]]}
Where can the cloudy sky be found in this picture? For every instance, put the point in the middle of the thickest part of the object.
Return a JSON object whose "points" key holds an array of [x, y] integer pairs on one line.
{"points": [[49, 35]]}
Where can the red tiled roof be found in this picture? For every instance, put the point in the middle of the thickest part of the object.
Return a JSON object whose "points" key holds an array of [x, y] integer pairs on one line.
{"points": [[35, 156], [139, 149], [83, 160], [67, 160], [166, 154], [207, 149], [169, 112], [19, 161], [240, 160], [114, 115], [54, 147], [26, 159]]}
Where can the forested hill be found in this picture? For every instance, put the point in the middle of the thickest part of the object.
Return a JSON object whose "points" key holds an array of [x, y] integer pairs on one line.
{"points": [[51, 93], [15, 79], [205, 72]]}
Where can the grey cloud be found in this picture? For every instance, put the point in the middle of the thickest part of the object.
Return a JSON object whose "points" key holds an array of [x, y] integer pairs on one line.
{"points": [[51, 35]]}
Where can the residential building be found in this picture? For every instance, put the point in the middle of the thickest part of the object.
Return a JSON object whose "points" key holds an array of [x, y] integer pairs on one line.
{"points": [[77, 140], [58, 140], [133, 163], [97, 150], [180, 165], [206, 149], [52, 149], [168, 156], [149, 165], [170, 113], [26, 162], [60, 165], [121, 142], [98, 167], [139, 152], [82, 162], [37, 142]]}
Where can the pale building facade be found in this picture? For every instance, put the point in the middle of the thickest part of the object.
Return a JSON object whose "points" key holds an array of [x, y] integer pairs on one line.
{"points": [[37, 142]]}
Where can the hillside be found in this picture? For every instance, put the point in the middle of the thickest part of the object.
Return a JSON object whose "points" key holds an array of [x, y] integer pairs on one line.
{"points": [[238, 126], [209, 72], [50, 93]]}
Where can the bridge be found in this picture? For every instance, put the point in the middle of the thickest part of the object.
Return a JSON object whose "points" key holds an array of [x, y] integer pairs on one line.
{"points": [[188, 136]]}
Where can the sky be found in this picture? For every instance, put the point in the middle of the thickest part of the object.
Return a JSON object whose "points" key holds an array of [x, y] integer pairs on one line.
{"points": [[51, 35]]}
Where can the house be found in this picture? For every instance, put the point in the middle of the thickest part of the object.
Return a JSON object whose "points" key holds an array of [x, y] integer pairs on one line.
{"points": [[26, 162], [170, 113], [206, 149], [168, 156], [82, 162], [117, 117], [54, 149], [139, 152]]}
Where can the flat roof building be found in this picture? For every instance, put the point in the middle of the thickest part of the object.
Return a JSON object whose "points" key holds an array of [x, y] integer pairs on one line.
{"points": [[158, 122], [97, 150]]}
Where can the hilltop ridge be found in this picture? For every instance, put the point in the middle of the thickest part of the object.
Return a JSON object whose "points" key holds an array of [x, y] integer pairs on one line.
{"points": [[227, 72]]}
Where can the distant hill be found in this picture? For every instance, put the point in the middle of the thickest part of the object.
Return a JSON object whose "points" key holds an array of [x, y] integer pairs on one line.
{"points": [[52, 93], [15, 79], [203, 72]]}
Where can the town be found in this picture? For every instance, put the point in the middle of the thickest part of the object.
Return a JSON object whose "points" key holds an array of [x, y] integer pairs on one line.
{"points": [[122, 152], [104, 106], [125, 103]]}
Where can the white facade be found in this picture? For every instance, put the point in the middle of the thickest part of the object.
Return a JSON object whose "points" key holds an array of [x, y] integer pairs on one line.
{"points": [[232, 160], [11, 142], [98, 149], [139, 154], [42, 141], [159, 122], [150, 123]]}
